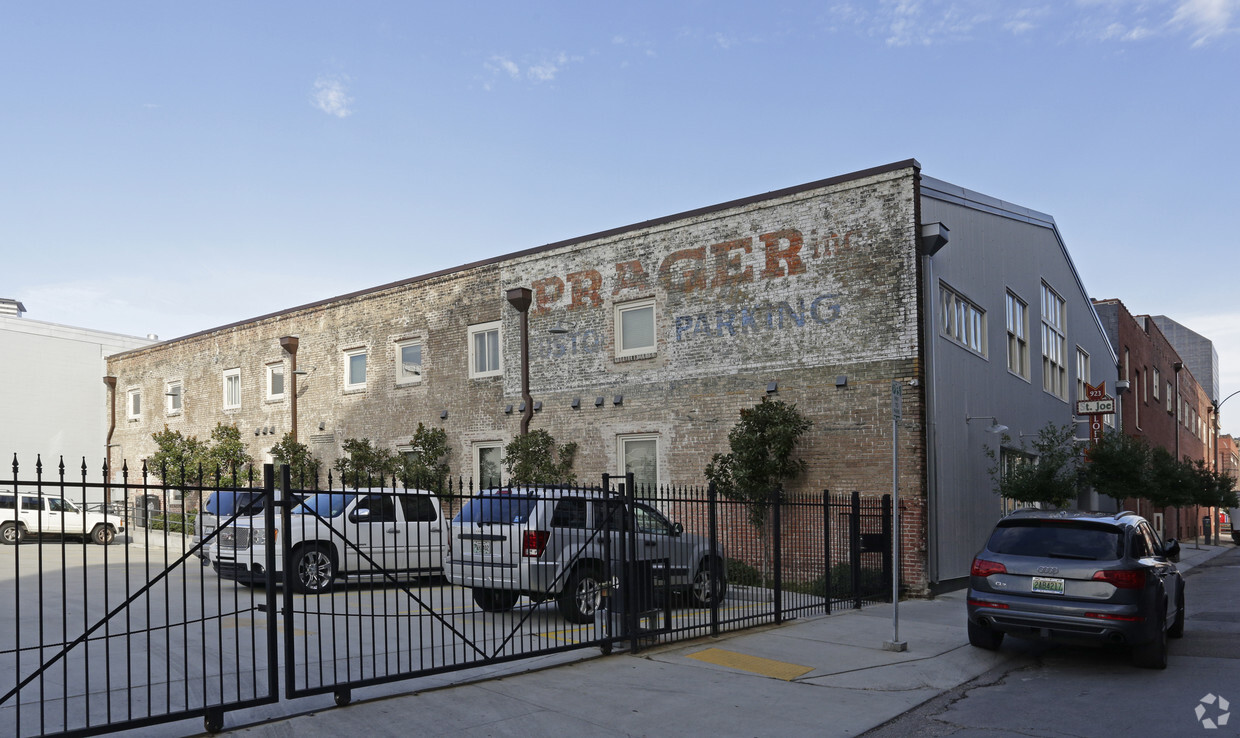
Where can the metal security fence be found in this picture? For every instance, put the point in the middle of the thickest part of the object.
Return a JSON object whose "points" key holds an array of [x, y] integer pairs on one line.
{"points": [[206, 598]]}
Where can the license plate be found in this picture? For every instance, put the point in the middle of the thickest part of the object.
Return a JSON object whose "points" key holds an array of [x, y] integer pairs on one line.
{"points": [[482, 547], [1047, 585]]}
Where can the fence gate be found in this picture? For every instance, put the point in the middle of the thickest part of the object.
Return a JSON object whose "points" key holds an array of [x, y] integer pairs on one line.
{"points": [[98, 638], [341, 589]]}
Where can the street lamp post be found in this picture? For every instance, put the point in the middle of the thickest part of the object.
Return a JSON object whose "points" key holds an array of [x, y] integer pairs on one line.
{"points": [[1216, 407]]}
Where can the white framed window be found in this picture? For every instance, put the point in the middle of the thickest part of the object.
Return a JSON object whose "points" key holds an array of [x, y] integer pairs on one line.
{"points": [[484, 350], [488, 463], [1054, 344], [173, 398], [639, 454], [232, 388], [133, 404], [275, 381], [1156, 382], [1018, 336], [962, 321], [355, 369], [635, 335], [1136, 406], [1082, 372], [408, 362], [1170, 391]]}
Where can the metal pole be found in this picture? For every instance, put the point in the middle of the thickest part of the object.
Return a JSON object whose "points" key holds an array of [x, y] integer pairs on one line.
{"points": [[520, 298], [897, 411]]}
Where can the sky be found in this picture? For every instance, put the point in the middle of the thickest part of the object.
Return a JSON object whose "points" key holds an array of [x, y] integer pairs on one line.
{"points": [[170, 167]]}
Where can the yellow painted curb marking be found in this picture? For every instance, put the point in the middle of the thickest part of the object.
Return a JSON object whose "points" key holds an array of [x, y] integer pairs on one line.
{"points": [[754, 664]]}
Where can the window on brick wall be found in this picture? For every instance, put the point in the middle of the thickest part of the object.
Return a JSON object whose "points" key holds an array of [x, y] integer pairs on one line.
{"points": [[1170, 393], [1136, 406], [488, 463], [640, 454], [1018, 336], [408, 361], [484, 350], [1155, 382], [133, 404], [275, 381], [172, 398], [635, 328], [355, 369], [232, 389], [1054, 344]]}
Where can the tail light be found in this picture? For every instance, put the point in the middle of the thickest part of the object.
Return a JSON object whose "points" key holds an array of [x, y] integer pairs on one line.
{"points": [[534, 542], [1107, 616], [983, 603], [984, 568], [1122, 578]]}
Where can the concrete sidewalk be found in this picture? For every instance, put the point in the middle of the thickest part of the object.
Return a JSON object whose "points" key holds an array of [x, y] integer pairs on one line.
{"points": [[822, 676]]}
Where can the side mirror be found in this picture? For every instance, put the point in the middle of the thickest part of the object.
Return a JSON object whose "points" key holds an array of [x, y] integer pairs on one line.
{"points": [[677, 529], [360, 515], [1171, 549]]}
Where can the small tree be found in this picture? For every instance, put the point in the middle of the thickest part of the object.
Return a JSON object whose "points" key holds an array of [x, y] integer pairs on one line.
{"points": [[1212, 488], [1171, 480], [364, 464], [760, 462], [227, 456], [178, 461], [303, 466], [1053, 476], [1119, 466], [426, 464], [534, 458]]}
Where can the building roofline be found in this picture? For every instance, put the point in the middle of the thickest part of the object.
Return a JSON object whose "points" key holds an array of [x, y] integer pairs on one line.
{"points": [[653, 223]]}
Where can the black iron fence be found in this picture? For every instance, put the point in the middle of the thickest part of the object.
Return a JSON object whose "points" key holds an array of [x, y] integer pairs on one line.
{"points": [[205, 597]]}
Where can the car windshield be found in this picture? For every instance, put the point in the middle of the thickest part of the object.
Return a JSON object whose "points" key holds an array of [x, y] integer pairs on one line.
{"points": [[497, 508], [60, 504], [324, 504], [227, 502], [1057, 539]]}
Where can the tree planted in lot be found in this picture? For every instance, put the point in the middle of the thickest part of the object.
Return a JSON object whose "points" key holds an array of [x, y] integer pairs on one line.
{"points": [[760, 461], [178, 460], [1119, 466], [364, 464], [1052, 474], [534, 458], [426, 464], [303, 467], [228, 459], [1212, 488]]}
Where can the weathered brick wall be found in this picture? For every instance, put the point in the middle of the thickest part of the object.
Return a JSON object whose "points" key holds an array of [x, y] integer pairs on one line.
{"points": [[799, 290]]}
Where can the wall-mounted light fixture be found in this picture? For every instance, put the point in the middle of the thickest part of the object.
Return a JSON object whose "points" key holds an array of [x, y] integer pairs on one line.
{"points": [[508, 410], [772, 387], [443, 415], [576, 404], [598, 401], [841, 381], [994, 427], [537, 405], [322, 425], [617, 400]]}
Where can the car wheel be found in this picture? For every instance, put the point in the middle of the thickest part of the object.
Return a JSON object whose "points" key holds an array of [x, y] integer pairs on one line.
{"points": [[103, 534], [1153, 655], [1177, 626], [313, 570], [983, 637], [11, 533], [495, 600], [581, 596], [709, 584]]}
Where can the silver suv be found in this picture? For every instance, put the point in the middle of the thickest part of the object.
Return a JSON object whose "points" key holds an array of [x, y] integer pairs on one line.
{"points": [[549, 543], [1078, 577]]}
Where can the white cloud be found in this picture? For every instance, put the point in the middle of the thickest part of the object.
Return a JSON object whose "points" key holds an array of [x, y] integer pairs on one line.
{"points": [[331, 97], [544, 70], [1206, 19]]}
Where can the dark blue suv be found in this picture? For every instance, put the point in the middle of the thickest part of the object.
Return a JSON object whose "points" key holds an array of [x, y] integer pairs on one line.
{"points": [[1071, 576]]}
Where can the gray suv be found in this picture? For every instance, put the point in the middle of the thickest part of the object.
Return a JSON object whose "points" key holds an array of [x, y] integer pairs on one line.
{"points": [[1078, 577], [549, 543]]}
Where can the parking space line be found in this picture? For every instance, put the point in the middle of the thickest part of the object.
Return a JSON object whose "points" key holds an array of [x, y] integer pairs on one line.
{"points": [[753, 664]]}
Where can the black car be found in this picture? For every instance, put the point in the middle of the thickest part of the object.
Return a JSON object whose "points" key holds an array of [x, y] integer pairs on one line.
{"points": [[1078, 577]]}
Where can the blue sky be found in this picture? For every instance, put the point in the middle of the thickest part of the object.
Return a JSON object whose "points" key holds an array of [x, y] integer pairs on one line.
{"points": [[169, 167]]}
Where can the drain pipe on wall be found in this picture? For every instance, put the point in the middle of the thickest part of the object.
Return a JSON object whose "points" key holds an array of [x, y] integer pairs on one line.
{"points": [[110, 381]]}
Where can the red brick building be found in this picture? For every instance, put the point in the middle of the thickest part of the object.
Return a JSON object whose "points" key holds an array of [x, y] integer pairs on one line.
{"points": [[1164, 404]]}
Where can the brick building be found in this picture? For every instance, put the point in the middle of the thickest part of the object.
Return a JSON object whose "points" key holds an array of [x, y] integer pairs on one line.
{"points": [[646, 340], [1165, 404]]}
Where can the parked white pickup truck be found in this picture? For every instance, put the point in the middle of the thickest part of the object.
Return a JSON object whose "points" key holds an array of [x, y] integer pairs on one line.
{"points": [[33, 514], [362, 534]]}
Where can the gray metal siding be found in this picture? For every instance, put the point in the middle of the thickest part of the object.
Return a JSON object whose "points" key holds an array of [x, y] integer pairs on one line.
{"points": [[990, 252]]}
